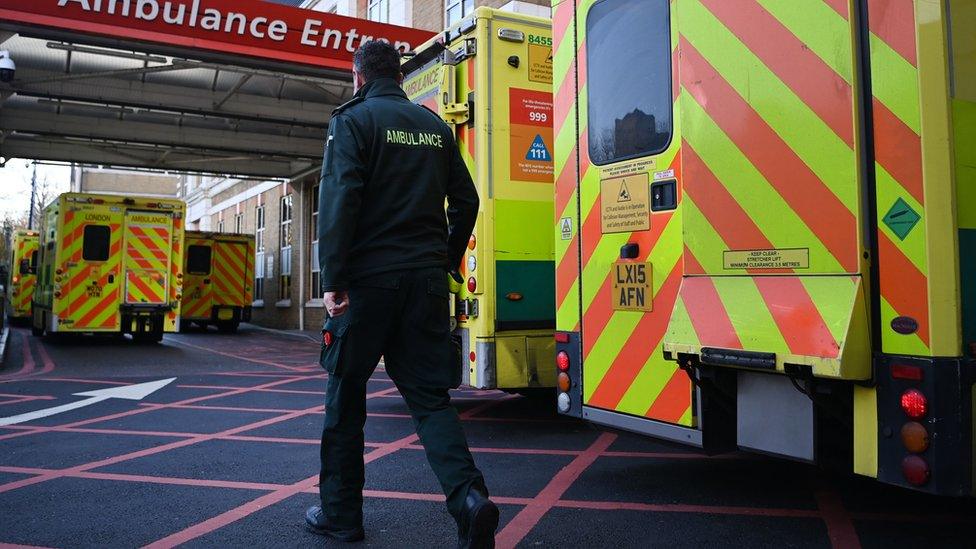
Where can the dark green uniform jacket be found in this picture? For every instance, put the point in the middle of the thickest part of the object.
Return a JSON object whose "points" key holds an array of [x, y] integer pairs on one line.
{"points": [[389, 164]]}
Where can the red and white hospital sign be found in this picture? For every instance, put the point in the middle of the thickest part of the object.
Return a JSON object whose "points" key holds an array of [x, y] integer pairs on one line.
{"points": [[243, 27]]}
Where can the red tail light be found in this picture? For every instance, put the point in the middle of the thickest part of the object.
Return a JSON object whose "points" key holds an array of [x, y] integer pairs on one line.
{"points": [[327, 338], [914, 403], [915, 469], [901, 371], [472, 357], [472, 284], [562, 360], [562, 337]]}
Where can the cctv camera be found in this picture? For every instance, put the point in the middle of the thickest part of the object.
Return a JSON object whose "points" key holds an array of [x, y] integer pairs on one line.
{"points": [[7, 67]]}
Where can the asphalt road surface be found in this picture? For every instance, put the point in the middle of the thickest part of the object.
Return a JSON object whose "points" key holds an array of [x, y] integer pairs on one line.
{"points": [[226, 455]]}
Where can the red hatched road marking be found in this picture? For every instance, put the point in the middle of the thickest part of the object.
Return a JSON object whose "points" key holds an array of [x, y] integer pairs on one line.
{"points": [[516, 530], [839, 526]]}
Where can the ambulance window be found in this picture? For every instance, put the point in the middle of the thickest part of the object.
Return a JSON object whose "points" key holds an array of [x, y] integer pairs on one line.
{"points": [[95, 242], [198, 260], [628, 55]]}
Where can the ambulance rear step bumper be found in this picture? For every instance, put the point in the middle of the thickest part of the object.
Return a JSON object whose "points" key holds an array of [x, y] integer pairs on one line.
{"points": [[146, 307], [644, 426]]}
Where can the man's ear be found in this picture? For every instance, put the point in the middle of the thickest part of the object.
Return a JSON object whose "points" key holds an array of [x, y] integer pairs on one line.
{"points": [[357, 81], [400, 78]]}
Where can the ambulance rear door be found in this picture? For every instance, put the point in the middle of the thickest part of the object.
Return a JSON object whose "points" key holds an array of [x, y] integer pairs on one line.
{"points": [[629, 223], [148, 253]]}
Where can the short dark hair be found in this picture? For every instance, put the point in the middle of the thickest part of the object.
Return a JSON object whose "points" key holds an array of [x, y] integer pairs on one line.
{"points": [[377, 59]]}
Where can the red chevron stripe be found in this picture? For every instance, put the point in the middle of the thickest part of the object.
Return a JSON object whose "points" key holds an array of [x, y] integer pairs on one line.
{"points": [[149, 243], [163, 232], [797, 316], [566, 90], [639, 346], [708, 315], [111, 322], [674, 400], [195, 308], [840, 6], [229, 286], [723, 212], [233, 275], [147, 292], [568, 271], [597, 315], [220, 287], [107, 300], [792, 61], [898, 149], [812, 201], [793, 310], [903, 285], [894, 22], [566, 183]]}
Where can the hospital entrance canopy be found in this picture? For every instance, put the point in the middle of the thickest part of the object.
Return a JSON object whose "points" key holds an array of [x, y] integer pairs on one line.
{"points": [[232, 87]]}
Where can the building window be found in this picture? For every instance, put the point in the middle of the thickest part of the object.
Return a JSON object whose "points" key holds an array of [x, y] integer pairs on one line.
{"points": [[455, 10], [220, 226], [259, 253], [379, 10], [284, 280], [259, 276], [629, 96], [239, 223], [259, 228], [316, 286]]}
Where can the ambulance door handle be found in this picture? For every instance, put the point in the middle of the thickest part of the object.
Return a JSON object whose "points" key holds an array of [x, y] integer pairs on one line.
{"points": [[206, 281], [111, 279]]}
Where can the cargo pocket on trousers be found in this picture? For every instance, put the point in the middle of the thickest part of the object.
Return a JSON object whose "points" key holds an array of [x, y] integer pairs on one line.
{"points": [[332, 342], [438, 321]]}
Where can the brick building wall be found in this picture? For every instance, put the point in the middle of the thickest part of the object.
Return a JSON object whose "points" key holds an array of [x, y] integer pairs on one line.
{"points": [[111, 181], [429, 14]]}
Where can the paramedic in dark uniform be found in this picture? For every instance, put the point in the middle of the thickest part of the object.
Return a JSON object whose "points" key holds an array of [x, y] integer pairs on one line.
{"points": [[386, 248]]}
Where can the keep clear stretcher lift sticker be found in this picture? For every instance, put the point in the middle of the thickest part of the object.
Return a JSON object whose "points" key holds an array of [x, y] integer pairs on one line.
{"points": [[530, 116]]}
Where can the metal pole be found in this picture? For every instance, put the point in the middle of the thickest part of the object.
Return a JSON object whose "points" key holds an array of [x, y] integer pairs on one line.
{"points": [[30, 214]]}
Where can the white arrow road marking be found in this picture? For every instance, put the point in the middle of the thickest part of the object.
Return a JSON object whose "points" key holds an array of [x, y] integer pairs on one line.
{"points": [[128, 392]]}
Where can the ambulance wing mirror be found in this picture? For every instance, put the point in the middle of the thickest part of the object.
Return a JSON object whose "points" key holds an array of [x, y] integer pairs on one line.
{"points": [[451, 111]]}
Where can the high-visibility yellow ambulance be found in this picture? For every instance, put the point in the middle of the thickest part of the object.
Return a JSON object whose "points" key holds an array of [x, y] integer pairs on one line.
{"points": [[110, 264], [22, 278], [490, 78], [218, 279], [771, 213]]}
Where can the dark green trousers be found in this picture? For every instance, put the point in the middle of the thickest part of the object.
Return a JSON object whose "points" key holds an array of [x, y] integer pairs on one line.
{"points": [[403, 317]]}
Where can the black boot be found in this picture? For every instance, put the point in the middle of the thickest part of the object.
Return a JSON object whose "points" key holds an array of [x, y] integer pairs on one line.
{"points": [[478, 521], [316, 523]]}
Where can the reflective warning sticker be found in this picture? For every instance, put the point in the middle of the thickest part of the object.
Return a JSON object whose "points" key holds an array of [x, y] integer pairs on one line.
{"points": [[632, 288], [566, 228], [540, 59], [625, 204], [786, 258], [901, 219], [530, 116]]}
